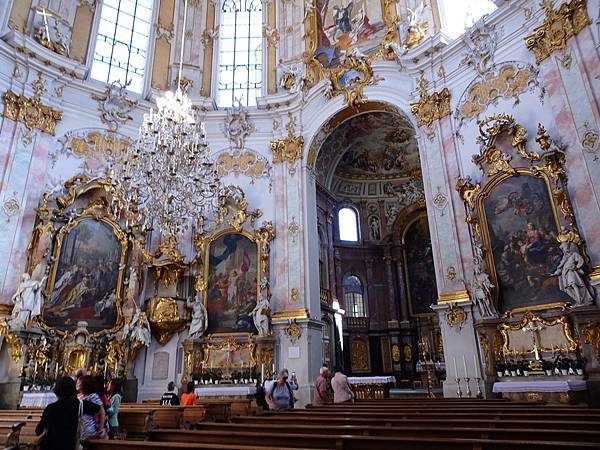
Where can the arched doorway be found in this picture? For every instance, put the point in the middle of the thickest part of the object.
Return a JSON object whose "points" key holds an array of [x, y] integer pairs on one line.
{"points": [[373, 238]]}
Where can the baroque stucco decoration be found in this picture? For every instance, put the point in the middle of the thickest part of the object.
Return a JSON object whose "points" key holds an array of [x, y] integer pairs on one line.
{"points": [[560, 25], [114, 105], [31, 112], [430, 107], [289, 149]]}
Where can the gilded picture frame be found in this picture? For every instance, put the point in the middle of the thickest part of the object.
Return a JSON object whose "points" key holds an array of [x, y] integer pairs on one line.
{"points": [[529, 188], [122, 241]]}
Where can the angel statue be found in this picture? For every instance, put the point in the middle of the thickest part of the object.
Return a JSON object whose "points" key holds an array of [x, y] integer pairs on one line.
{"points": [[417, 27], [481, 291], [570, 275], [199, 317], [260, 315], [139, 330], [28, 302]]}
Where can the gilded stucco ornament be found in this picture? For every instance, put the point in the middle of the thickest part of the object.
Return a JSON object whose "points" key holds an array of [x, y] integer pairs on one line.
{"points": [[244, 162], [93, 143], [52, 31], [455, 316], [14, 343], [31, 112], [591, 332], [289, 149], [165, 318], [115, 105], [167, 262], [416, 28], [560, 25], [430, 107]]}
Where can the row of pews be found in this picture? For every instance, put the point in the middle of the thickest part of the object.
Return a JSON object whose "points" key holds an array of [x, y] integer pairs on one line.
{"points": [[379, 424]]}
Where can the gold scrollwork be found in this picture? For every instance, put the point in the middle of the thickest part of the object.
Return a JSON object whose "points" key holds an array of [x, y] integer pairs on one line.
{"points": [[359, 355], [31, 112], [528, 318], [164, 318], [456, 317], [94, 142], [430, 107], [287, 150], [468, 190], [14, 343], [229, 344], [167, 262], [353, 88], [592, 336], [396, 355], [560, 25], [408, 353]]}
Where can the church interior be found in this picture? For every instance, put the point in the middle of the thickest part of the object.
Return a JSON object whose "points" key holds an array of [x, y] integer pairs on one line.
{"points": [[230, 196]]}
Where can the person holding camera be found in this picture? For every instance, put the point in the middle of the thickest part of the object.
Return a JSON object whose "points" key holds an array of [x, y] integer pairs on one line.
{"points": [[280, 394]]}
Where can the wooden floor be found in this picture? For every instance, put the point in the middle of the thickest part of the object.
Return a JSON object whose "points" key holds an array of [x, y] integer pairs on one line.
{"points": [[421, 424]]}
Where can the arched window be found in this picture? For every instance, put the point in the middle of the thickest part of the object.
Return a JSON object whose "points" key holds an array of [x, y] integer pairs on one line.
{"points": [[122, 42], [240, 52], [457, 16], [348, 224], [354, 301]]}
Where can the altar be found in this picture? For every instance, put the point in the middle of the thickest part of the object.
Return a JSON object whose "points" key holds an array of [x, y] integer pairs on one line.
{"points": [[570, 391], [370, 388], [37, 399], [226, 391]]}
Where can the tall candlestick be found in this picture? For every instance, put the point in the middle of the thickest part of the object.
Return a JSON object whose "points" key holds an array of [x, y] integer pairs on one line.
{"points": [[465, 366], [476, 365], [56, 374], [262, 373], [455, 369], [273, 369]]}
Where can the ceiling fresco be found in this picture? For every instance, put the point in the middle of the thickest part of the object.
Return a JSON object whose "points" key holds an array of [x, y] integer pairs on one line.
{"points": [[371, 148]]}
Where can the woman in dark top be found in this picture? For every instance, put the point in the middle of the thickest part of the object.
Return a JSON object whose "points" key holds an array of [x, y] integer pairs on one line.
{"points": [[60, 419]]}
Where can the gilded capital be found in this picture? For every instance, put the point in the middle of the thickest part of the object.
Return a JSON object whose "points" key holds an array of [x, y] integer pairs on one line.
{"points": [[31, 112], [430, 107]]}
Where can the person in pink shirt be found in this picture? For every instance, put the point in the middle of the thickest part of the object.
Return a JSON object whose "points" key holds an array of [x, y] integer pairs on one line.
{"points": [[321, 391], [341, 388]]}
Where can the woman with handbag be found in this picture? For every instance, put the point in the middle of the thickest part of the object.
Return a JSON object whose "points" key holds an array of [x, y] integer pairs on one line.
{"points": [[94, 426], [58, 426]]}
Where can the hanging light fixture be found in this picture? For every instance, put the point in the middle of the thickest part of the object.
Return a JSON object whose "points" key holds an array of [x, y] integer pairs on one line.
{"points": [[167, 177]]}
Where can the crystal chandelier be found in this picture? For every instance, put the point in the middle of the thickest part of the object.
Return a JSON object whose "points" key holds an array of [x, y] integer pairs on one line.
{"points": [[167, 177]]}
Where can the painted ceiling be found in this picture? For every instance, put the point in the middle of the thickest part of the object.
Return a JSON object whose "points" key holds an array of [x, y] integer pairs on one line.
{"points": [[376, 147]]}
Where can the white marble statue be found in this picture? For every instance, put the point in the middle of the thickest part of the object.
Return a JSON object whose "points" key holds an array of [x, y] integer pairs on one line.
{"points": [[28, 302], [260, 315], [199, 317], [139, 328], [570, 275], [481, 291]]}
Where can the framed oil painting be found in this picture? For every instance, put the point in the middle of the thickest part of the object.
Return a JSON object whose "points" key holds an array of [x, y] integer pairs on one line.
{"points": [[232, 283], [343, 25], [521, 231], [87, 276], [420, 271]]}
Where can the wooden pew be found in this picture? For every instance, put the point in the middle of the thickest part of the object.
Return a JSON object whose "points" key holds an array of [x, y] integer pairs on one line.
{"points": [[522, 433], [135, 445], [575, 424], [136, 422], [9, 434], [352, 442]]}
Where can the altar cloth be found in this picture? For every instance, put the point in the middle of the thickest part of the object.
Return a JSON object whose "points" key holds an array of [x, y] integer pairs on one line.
{"points": [[540, 386], [37, 399], [222, 391], [371, 380]]}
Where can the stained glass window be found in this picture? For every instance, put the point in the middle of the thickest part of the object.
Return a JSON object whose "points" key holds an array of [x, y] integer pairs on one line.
{"points": [[354, 301], [240, 52], [122, 42], [348, 224]]}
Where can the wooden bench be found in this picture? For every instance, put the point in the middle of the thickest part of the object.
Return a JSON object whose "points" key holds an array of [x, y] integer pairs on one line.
{"points": [[135, 445], [450, 422], [136, 422], [352, 442], [521, 433], [9, 434]]}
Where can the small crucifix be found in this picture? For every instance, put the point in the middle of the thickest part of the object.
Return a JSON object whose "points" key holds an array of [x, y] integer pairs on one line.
{"points": [[45, 14], [533, 328]]}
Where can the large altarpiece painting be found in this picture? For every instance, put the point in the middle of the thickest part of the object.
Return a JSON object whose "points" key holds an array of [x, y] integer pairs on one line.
{"points": [[232, 283], [520, 214]]}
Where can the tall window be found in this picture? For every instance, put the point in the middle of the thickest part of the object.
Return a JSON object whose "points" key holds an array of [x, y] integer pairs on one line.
{"points": [[354, 301], [459, 15], [348, 223], [122, 42], [240, 52]]}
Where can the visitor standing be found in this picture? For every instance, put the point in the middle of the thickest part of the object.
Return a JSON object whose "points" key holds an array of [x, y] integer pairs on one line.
{"points": [[114, 390], [60, 419], [280, 395], [321, 389], [342, 392], [93, 426]]}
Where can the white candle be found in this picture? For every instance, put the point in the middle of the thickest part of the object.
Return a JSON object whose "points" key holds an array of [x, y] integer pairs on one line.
{"points": [[262, 373], [455, 369], [465, 366], [476, 365]]}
